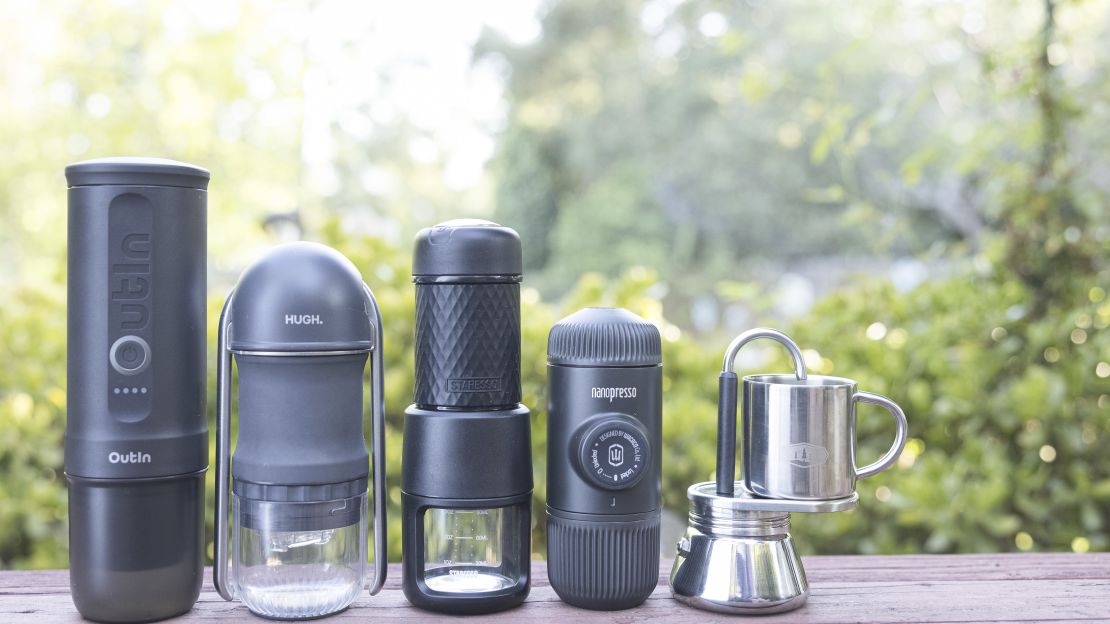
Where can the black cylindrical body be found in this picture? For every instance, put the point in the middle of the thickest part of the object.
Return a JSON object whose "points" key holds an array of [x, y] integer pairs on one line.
{"points": [[467, 469], [604, 460], [136, 444]]}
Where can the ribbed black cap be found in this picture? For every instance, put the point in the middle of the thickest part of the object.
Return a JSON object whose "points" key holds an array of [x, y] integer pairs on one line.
{"points": [[606, 337], [131, 171], [467, 247]]}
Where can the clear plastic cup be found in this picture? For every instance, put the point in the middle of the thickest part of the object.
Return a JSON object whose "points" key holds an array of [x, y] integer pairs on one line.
{"points": [[465, 549], [293, 560]]}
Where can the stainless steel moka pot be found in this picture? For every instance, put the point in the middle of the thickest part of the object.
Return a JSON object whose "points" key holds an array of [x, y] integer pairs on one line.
{"points": [[738, 555], [300, 325]]}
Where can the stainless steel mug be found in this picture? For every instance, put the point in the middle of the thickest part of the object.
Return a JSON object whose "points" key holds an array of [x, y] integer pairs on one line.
{"points": [[800, 436]]}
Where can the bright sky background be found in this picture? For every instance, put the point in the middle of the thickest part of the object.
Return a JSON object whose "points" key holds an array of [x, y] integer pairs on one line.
{"points": [[424, 49]]}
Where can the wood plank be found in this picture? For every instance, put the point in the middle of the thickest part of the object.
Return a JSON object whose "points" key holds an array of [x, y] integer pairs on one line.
{"points": [[913, 588]]}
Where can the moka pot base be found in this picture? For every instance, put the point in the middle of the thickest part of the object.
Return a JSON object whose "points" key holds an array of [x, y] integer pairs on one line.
{"points": [[738, 555]]}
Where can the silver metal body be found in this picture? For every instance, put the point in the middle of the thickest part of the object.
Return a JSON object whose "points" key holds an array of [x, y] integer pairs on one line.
{"points": [[220, 577], [799, 436], [738, 556]]}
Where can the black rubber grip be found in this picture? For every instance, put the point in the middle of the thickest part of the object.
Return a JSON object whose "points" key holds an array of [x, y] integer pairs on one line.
{"points": [[600, 565], [726, 433], [467, 345]]}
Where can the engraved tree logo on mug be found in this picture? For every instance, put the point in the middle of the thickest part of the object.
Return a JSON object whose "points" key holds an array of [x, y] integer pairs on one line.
{"points": [[806, 455]]}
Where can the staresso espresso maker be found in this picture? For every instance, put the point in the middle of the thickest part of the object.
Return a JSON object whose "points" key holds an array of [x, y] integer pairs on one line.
{"points": [[466, 490], [799, 445], [300, 325]]}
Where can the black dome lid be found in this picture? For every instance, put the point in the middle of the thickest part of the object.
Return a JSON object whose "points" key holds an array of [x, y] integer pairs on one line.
{"points": [[132, 171], [604, 337], [467, 247], [301, 297]]}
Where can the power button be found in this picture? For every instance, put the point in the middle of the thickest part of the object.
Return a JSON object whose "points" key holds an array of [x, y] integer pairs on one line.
{"points": [[129, 355]]}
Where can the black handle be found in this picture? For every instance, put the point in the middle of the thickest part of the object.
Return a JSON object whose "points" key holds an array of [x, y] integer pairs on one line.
{"points": [[726, 433], [726, 401]]}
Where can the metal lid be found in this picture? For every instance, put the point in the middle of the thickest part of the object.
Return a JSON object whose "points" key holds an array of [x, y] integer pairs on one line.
{"points": [[467, 247], [301, 297], [704, 498], [133, 171], [604, 337]]}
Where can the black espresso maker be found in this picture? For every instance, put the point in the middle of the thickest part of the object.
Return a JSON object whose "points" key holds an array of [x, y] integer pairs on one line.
{"points": [[301, 327], [136, 443], [467, 468]]}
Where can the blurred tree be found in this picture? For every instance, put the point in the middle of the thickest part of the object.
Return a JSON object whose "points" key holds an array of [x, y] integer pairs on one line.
{"points": [[1003, 366], [761, 134], [698, 139]]}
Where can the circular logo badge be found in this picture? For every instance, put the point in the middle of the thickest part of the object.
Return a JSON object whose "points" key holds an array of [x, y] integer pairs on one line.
{"points": [[614, 452]]}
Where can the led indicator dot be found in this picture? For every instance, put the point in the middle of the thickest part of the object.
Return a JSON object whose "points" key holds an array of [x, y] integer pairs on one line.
{"points": [[134, 390], [143, 390], [125, 390], [115, 390]]}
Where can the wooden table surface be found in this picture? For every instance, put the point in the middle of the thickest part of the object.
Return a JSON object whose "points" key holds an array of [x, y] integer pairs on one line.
{"points": [[913, 588]]}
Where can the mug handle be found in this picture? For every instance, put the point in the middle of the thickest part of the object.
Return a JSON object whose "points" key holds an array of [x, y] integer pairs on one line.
{"points": [[887, 460]]}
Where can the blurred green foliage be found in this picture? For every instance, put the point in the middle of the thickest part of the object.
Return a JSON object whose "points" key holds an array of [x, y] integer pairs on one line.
{"points": [[1008, 413], [1001, 360]]}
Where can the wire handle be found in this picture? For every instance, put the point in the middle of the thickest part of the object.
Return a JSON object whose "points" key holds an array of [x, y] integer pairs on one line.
{"points": [[377, 446], [223, 454], [726, 400]]}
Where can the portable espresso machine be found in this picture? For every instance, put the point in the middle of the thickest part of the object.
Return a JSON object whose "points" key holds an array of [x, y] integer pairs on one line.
{"points": [[300, 325], [799, 446], [604, 458], [466, 487], [136, 442]]}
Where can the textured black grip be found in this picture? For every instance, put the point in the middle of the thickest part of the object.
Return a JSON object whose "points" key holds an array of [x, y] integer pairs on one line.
{"points": [[726, 433], [468, 345], [601, 565]]}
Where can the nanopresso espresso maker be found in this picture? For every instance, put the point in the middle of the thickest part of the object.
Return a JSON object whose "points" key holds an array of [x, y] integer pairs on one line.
{"points": [[136, 443], [604, 440], [799, 457], [300, 325], [467, 468]]}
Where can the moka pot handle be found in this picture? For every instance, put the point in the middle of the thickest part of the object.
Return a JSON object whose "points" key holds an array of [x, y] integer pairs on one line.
{"points": [[726, 401]]}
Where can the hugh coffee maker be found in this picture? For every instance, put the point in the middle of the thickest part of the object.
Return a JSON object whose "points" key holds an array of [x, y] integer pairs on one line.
{"points": [[799, 446], [300, 325], [466, 489]]}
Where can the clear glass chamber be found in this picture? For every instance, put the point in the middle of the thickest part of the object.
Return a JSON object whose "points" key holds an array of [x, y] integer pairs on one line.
{"points": [[472, 550], [299, 560]]}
